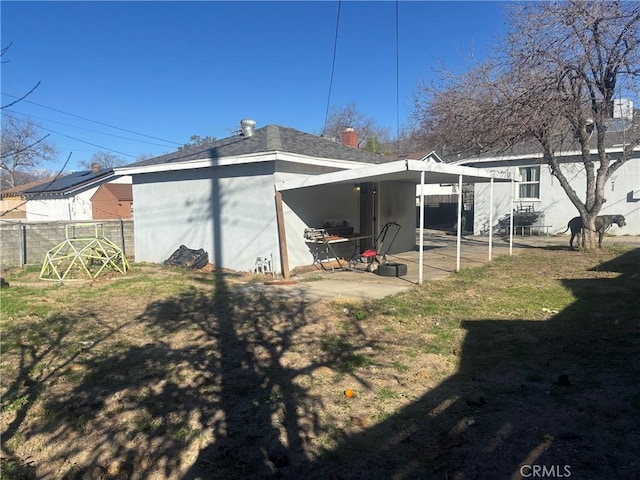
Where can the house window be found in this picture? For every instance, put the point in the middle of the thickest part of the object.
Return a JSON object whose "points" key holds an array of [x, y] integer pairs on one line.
{"points": [[529, 183]]}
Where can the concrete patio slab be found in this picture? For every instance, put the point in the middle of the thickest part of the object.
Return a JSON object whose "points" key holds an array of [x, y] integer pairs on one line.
{"points": [[439, 262]]}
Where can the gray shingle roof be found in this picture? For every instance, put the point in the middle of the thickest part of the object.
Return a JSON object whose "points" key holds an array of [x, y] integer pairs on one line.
{"points": [[268, 139]]}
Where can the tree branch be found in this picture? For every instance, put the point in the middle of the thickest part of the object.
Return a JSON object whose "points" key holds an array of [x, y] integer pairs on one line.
{"points": [[22, 97], [16, 152]]}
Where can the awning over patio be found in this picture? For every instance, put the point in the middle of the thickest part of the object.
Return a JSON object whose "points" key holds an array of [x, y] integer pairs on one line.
{"points": [[404, 170], [420, 172]]}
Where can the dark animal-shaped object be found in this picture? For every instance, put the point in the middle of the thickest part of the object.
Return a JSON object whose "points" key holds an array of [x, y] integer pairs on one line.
{"points": [[603, 223]]}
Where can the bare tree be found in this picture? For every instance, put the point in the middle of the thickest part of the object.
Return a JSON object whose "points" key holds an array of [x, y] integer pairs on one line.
{"points": [[23, 148], [106, 160], [553, 81], [370, 134], [144, 156], [196, 140]]}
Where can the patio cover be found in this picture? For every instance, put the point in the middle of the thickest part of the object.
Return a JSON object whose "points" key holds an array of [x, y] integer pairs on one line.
{"points": [[420, 172], [404, 170]]}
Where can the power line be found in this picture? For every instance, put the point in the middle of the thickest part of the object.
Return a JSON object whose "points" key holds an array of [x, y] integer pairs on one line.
{"points": [[397, 79], [94, 121], [83, 128], [20, 150], [333, 67], [88, 143], [78, 139]]}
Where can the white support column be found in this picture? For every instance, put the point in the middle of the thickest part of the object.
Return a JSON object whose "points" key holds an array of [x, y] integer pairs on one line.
{"points": [[513, 196], [459, 233], [490, 218], [421, 240]]}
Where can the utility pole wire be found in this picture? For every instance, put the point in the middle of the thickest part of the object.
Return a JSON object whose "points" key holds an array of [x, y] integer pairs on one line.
{"points": [[89, 143], [85, 129], [78, 139], [397, 79], [5, 155], [95, 121], [333, 66]]}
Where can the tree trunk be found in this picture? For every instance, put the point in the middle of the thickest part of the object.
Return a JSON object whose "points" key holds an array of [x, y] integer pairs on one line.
{"points": [[589, 236]]}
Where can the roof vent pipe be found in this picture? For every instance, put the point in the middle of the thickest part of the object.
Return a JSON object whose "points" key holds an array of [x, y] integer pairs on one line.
{"points": [[246, 127]]}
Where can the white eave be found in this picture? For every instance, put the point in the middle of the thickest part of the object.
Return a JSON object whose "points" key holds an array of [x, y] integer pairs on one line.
{"points": [[238, 160], [538, 156], [400, 170]]}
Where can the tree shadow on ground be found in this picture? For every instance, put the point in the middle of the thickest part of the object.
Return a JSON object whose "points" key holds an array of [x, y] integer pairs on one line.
{"points": [[46, 352], [215, 394], [557, 397], [220, 392]]}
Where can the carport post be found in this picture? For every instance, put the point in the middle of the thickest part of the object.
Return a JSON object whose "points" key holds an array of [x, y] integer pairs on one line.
{"points": [[459, 233], [513, 196], [421, 240], [282, 238], [490, 217]]}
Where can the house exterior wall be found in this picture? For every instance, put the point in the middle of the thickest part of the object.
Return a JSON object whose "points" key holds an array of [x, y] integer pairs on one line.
{"points": [[396, 204], [51, 209], [229, 211], [233, 207], [105, 205], [13, 207], [555, 204], [435, 189], [105, 208], [75, 208], [311, 207], [72, 208]]}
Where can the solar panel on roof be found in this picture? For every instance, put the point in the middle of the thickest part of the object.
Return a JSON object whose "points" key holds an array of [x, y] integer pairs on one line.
{"points": [[66, 182]]}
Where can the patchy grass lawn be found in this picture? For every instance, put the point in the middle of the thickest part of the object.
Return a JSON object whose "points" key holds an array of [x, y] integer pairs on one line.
{"points": [[173, 374]]}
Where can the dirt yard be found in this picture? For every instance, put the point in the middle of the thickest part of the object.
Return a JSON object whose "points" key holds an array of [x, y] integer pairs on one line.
{"points": [[525, 368]]}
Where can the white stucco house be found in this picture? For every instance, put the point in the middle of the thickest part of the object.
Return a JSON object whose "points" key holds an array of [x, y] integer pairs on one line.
{"points": [[252, 195], [537, 190], [68, 198]]}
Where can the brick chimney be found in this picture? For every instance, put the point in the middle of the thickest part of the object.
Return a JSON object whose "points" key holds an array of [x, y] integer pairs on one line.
{"points": [[350, 137], [96, 167]]}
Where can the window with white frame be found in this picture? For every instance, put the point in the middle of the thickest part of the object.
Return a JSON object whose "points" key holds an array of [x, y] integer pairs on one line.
{"points": [[529, 183]]}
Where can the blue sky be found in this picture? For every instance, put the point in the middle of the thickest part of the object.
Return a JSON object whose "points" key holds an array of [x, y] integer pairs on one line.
{"points": [[169, 70]]}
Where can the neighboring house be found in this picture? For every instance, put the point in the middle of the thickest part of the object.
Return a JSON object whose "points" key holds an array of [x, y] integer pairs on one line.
{"points": [[252, 196], [112, 201], [441, 200], [68, 197], [13, 202], [541, 192]]}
